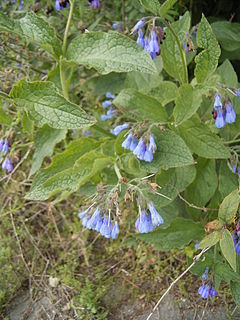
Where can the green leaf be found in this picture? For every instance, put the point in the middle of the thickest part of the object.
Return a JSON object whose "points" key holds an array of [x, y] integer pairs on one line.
{"points": [[171, 152], [207, 60], [205, 184], [228, 74], [69, 170], [151, 5], [170, 52], [228, 181], [187, 103], [143, 106], [45, 140], [165, 92], [227, 33], [171, 182], [166, 6], [5, 118], [210, 240], [228, 249], [224, 271], [34, 29], [181, 232], [107, 52], [201, 140], [235, 290], [229, 206], [46, 105]]}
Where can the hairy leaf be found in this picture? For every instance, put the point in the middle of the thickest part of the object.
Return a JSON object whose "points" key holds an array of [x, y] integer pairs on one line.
{"points": [[227, 33], [206, 60], [165, 92], [35, 29], [229, 206], [151, 5], [46, 105], [107, 52], [228, 249], [210, 240], [166, 6]]}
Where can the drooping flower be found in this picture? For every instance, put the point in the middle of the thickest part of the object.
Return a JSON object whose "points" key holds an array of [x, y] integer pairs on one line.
{"points": [[81, 214], [115, 230], [230, 113], [153, 44], [109, 95], [106, 103], [155, 216], [138, 25], [217, 102], [117, 25], [152, 144], [94, 3], [140, 39], [20, 7], [92, 222], [140, 150], [5, 147], [205, 274], [204, 291], [119, 129], [127, 142], [133, 144], [220, 122], [144, 222], [148, 156], [62, 4], [213, 292], [7, 165], [85, 220], [106, 228], [99, 224], [109, 115]]}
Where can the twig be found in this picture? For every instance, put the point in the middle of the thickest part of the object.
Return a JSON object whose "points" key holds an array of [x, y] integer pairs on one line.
{"points": [[195, 260], [191, 205]]}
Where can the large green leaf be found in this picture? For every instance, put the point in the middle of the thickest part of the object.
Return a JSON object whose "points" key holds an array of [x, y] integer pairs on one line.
{"points": [[228, 181], [151, 5], [35, 29], [210, 240], [228, 74], [205, 184], [171, 152], [228, 249], [181, 232], [235, 290], [229, 207], [201, 140], [206, 60], [107, 52], [45, 140], [171, 182], [46, 105], [143, 106], [171, 53], [165, 92], [187, 103], [227, 33], [69, 170]]}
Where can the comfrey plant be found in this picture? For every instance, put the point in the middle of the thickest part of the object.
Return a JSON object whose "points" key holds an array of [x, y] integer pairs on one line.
{"points": [[154, 152]]}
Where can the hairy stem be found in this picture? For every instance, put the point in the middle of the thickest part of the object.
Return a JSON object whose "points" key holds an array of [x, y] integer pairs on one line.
{"points": [[68, 26], [63, 79]]}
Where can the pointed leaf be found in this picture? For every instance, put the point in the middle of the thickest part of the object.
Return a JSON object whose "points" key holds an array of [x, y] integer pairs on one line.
{"points": [[143, 106], [210, 240], [151, 5], [229, 207], [107, 52], [35, 29], [235, 290], [166, 6], [228, 249], [207, 60], [165, 92], [46, 105]]}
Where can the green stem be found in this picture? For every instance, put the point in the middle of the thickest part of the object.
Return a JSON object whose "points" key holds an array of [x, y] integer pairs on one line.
{"points": [[231, 141], [118, 173], [68, 26], [63, 79], [96, 127], [185, 74]]}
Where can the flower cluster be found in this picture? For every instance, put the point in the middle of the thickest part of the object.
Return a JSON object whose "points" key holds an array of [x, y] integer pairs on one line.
{"points": [[236, 239], [223, 113], [147, 222], [108, 103], [62, 4], [206, 290], [4, 149], [141, 149], [99, 222], [151, 42], [94, 3]]}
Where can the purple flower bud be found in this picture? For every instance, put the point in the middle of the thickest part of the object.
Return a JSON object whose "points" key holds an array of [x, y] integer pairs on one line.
{"points": [[155, 216], [148, 156], [213, 292], [140, 39], [152, 144], [205, 274], [219, 122], [92, 222], [234, 168], [119, 129], [115, 231], [109, 115], [99, 224], [7, 165], [230, 113], [237, 248], [206, 291], [106, 103], [127, 142], [82, 214], [85, 220], [106, 228], [153, 44], [139, 151], [197, 245], [1, 145], [109, 95], [144, 222], [237, 93], [5, 147], [94, 3], [200, 290], [138, 25], [217, 102]]}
